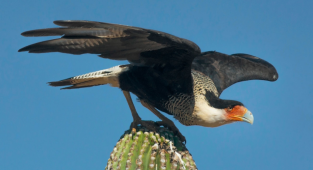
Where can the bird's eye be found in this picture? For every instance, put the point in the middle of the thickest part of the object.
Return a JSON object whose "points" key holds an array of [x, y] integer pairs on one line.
{"points": [[229, 108]]}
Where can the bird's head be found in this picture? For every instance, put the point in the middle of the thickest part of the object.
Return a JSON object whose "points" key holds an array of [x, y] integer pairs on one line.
{"points": [[238, 113], [221, 113]]}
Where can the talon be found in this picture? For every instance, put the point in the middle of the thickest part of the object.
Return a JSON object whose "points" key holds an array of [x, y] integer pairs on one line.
{"points": [[183, 139], [180, 136], [147, 124], [171, 126]]}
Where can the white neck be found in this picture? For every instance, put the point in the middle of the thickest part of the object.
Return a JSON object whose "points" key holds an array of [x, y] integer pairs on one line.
{"points": [[207, 115]]}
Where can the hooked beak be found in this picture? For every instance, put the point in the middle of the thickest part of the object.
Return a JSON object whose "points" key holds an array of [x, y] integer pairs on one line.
{"points": [[248, 117]]}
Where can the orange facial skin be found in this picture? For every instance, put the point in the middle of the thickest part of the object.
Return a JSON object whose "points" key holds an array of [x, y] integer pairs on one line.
{"points": [[236, 113]]}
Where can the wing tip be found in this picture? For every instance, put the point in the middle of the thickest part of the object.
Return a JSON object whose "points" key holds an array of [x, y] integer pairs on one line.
{"points": [[31, 33], [67, 23], [25, 34], [25, 49], [21, 50], [58, 22], [275, 75], [29, 49]]}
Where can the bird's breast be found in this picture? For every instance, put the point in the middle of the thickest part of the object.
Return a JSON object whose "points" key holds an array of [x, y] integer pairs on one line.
{"points": [[176, 95], [191, 109]]}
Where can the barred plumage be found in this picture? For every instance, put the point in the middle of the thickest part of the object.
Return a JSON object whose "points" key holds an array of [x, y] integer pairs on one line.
{"points": [[165, 72], [182, 105]]}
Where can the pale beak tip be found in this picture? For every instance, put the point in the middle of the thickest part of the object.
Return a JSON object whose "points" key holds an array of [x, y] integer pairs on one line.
{"points": [[248, 117]]}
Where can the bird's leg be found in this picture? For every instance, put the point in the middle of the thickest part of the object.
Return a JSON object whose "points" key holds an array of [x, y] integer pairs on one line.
{"points": [[165, 121], [131, 107], [136, 117]]}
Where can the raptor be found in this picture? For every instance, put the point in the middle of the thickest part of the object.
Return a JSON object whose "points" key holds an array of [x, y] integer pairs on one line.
{"points": [[166, 73]]}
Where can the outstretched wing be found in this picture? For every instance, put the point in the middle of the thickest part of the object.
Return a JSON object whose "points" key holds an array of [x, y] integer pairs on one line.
{"points": [[113, 41], [226, 70]]}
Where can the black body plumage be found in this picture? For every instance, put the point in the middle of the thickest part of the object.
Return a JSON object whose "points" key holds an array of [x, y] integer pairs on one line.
{"points": [[168, 72]]}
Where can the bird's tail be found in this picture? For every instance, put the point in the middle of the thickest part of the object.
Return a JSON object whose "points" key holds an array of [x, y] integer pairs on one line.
{"points": [[106, 76]]}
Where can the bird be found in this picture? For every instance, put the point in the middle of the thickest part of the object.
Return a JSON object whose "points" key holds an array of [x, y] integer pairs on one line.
{"points": [[167, 73]]}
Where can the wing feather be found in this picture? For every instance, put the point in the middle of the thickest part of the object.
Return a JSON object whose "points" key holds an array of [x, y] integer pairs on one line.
{"points": [[113, 41], [226, 70]]}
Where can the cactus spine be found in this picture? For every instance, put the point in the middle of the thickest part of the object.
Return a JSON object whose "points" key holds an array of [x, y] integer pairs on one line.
{"points": [[150, 150]]}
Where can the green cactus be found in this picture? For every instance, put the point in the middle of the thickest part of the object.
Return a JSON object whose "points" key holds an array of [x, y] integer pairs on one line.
{"points": [[145, 150]]}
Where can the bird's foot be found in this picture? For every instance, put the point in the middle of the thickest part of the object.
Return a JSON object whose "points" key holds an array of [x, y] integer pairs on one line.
{"points": [[153, 126], [147, 124], [171, 126]]}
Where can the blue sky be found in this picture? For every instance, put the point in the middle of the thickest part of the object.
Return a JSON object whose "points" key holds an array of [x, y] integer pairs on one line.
{"points": [[42, 127]]}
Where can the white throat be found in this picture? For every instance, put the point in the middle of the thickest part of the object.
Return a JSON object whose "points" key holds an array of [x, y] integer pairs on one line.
{"points": [[207, 115]]}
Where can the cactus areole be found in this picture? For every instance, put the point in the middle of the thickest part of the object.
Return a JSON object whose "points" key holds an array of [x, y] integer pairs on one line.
{"points": [[145, 150]]}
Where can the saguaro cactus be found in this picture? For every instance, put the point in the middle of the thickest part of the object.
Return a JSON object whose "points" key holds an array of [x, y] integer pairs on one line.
{"points": [[145, 150]]}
